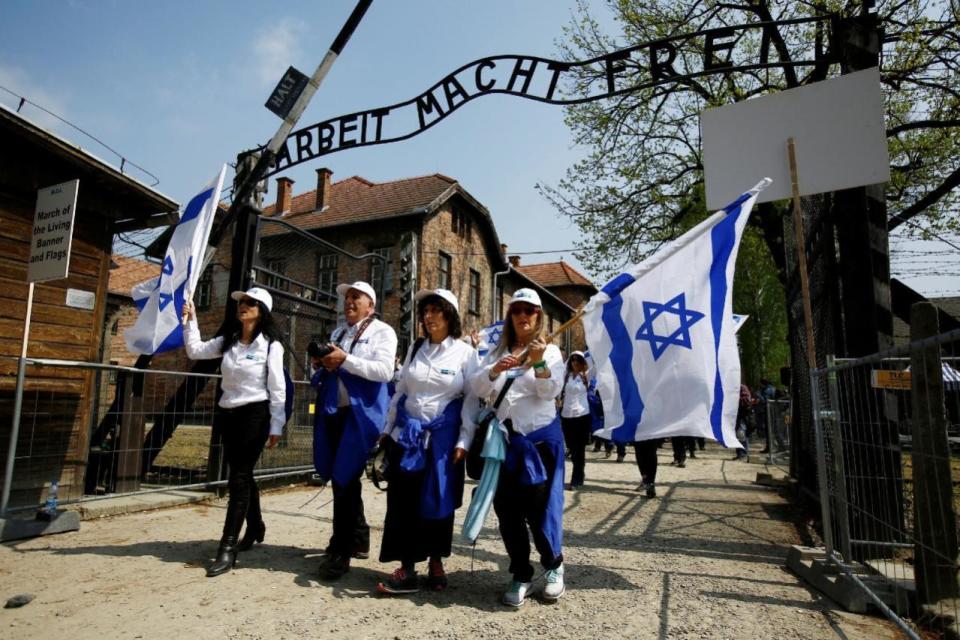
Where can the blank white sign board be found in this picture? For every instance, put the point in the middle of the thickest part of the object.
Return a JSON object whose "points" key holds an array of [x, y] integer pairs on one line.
{"points": [[837, 126]]}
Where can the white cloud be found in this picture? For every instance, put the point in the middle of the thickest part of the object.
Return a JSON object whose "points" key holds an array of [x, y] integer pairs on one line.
{"points": [[274, 48], [21, 83]]}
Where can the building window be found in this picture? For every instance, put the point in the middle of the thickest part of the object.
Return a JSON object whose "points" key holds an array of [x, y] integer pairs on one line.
{"points": [[378, 268], [327, 272], [276, 281], [115, 327], [474, 300], [498, 304], [203, 297], [445, 268]]}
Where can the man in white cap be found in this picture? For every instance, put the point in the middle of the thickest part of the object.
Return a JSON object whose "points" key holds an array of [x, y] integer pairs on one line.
{"points": [[351, 382]]}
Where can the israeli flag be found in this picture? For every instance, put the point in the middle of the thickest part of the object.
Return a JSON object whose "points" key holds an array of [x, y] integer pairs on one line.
{"points": [[662, 336], [160, 300], [489, 338]]}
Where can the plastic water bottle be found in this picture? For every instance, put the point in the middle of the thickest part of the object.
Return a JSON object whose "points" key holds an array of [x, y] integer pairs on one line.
{"points": [[51, 504]]}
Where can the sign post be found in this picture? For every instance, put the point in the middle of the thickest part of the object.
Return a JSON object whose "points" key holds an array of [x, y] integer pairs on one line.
{"points": [[50, 246]]}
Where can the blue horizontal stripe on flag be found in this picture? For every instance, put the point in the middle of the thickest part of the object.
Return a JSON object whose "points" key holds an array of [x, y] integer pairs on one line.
{"points": [[723, 237], [618, 284], [621, 358], [195, 206]]}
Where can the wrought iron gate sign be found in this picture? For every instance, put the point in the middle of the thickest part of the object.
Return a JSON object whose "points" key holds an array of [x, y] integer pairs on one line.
{"points": [[634, 68]]}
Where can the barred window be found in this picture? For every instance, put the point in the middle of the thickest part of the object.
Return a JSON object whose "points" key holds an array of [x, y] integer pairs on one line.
{"points": [[445, 268], [378, 268], [276, 282], [327, 272], [474, 300], [203, 296]]}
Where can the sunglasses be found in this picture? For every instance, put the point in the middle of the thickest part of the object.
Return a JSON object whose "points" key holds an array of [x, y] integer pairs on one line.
{"points": [[247, 302], [525, 310]]}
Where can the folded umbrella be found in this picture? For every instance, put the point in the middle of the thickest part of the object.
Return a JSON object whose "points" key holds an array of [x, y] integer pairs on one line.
{"points": [[493, 453]]}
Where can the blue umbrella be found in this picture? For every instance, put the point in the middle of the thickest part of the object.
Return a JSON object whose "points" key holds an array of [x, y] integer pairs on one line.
{"points": [[493, 453]]}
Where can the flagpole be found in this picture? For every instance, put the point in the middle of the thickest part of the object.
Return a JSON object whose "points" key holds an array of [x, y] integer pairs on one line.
{"points": [[267, 157], [801, 255]]}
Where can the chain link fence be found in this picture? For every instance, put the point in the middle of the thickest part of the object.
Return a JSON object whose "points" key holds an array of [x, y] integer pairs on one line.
{"points": [[777, 418], [143, 436], [888, 458]]}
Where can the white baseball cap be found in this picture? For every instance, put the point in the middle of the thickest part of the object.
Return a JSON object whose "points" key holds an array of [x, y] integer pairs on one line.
{"points": [[446, 294], [360, 286], [525, 295], [261, 295], [577, 353]]}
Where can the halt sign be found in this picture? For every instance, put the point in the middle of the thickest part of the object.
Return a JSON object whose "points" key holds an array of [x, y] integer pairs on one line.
{"points": [[52, 232]]}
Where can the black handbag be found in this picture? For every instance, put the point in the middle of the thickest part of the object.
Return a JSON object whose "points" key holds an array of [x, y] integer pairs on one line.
{"points": [[475, 461]]}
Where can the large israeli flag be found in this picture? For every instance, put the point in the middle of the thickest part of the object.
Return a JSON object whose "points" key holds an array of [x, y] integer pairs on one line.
{"points": [[160, 300], [661, 336]]}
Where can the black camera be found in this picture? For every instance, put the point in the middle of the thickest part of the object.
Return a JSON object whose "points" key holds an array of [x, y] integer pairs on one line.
{"points": [[317, 350]]}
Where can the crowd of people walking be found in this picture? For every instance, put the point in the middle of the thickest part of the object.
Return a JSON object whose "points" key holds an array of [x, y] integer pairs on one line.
{"points": [[420, 415]]}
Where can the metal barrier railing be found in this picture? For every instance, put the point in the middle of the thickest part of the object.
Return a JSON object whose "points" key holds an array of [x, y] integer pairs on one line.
{"points": [[888, 453], [104, 430]]}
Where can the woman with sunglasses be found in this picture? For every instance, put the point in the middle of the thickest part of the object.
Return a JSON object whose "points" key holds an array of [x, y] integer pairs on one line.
{"points": [[575, 415], [428, 429], [251, 409], [530, 489]]}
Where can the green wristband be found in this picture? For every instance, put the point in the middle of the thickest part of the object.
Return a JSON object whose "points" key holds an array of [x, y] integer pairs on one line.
{"points": [[540, 365]]}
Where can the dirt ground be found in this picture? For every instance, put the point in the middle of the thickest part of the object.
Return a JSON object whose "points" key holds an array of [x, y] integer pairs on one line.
{"points": [[705, 559]]}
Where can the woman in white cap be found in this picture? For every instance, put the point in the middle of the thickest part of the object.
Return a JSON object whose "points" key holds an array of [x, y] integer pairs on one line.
{"points": [[428, 430], [351, 382], [530, 489], [251, 411], [575, 414]]}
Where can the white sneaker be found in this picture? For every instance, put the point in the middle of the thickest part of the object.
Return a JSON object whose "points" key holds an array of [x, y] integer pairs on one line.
{"points": [[554, 587], [516, 594]]}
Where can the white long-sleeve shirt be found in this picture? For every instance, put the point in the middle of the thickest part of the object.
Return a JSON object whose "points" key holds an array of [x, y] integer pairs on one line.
{"points": [[530, 401], [575, 402], [373, 356], [250, 372], [438, 374]]}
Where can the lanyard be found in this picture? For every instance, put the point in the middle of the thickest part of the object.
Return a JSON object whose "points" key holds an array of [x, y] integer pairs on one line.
{"points": [[363, 327]]}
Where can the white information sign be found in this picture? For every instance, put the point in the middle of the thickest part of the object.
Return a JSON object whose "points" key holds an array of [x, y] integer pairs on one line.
{"points": [[837, 126], [52, 232], [80, 299]]}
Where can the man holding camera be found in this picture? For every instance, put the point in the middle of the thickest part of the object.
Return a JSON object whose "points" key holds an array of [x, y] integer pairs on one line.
{"points": [[351, 381]]}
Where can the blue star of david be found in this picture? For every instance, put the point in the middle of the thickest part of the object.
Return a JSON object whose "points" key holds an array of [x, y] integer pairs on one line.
{"points": [[680, 336]]}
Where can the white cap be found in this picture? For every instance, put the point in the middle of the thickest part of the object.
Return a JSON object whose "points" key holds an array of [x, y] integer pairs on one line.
{"points": [[360, 286], [261, 295], [446, 294], [577, 353], [525, 295]]}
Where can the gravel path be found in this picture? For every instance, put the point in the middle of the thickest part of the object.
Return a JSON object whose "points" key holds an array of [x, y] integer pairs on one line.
{"points": [[703, 560]]}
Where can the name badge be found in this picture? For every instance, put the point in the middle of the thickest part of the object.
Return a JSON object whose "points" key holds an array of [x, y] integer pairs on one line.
{"points": [[448, 372], [515, 373]]}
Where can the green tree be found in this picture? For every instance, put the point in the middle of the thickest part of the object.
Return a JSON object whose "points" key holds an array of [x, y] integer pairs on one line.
{"points": [[629, 192]]}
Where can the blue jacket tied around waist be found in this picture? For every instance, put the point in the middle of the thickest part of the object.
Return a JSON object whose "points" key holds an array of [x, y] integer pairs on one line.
{"points": [[368, 404], [523, 461], [442, 482]]}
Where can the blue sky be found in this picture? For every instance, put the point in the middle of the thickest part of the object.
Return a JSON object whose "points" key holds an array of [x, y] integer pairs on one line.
{"points": [[178, 87]]}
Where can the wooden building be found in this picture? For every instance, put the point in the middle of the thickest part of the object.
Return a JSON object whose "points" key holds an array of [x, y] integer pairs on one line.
{"points": [[57, 402]]}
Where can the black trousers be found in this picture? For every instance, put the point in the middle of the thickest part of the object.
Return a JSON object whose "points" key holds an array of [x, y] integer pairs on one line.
{"points": [[518, 507], [681, 444], [350, 530], [576, 433], [245, 430], [645, 452], [407, 536]]}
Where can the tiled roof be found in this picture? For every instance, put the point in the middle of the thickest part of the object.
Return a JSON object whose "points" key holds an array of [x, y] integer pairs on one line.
{"points": [[555, 274], [126, 272], [355, 199]]}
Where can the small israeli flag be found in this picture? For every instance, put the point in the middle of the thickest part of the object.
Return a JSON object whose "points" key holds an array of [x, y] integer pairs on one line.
{"points": [[489, 338], [661, 336], [160, 300]]}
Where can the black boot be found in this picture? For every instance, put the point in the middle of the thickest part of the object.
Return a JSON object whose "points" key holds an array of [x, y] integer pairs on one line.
{"points": [[226, 557], [254, 533]]}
